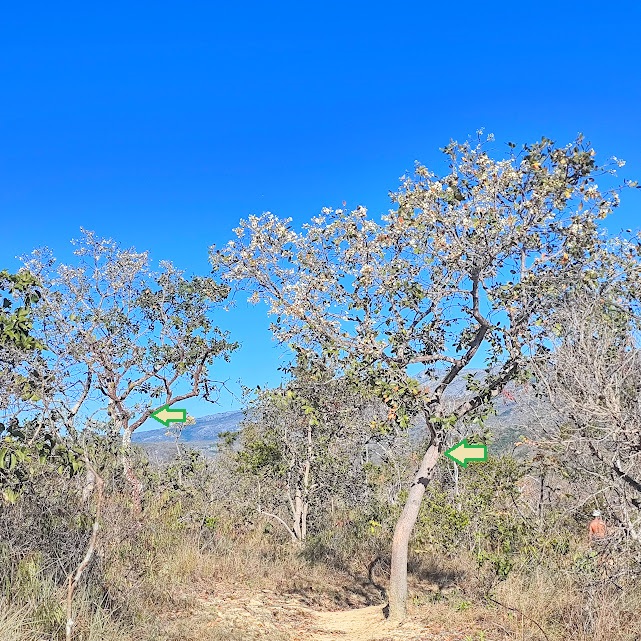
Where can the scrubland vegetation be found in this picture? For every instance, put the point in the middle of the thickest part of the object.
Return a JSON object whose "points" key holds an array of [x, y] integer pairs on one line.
{"points": [[335, 493], [490, 559]]}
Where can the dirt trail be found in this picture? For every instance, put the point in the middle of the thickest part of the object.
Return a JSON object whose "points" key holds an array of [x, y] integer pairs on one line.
{"points": [[283, 617], [363, 624]]}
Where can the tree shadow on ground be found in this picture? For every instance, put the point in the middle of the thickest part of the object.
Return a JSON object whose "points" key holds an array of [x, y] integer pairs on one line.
{"points": [[434, 573]]}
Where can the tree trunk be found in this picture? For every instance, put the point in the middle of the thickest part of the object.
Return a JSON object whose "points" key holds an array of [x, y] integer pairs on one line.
{"points": [[541, 497], [303, 523], [130, 475], [456, 486], [403, 532], [307, 468], [629, 525], [298, 515]]}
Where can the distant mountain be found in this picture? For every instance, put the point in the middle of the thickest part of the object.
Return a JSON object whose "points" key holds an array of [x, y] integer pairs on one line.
{"points": [[516, 410], [206, 428], [514, 415]]}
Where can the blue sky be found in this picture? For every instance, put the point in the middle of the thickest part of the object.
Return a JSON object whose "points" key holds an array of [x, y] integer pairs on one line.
{"points": [[162, 124]]}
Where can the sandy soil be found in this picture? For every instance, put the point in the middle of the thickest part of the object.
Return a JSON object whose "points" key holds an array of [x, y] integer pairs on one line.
{"points": [[278, 617]]}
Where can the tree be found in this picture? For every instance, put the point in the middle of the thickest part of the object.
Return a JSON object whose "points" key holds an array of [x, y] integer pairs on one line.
{"points": [[15, 322], [305, 444], [17, 456], [466, 268], [121, 340], [592, 380]]}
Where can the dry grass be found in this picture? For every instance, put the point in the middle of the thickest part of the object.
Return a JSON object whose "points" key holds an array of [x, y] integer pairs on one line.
{"points": [[31, 622], [176, 570], [565, 608], [152, 579], [539, 605]]}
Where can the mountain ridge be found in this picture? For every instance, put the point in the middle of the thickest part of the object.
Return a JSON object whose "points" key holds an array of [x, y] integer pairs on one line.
{"points": [[206, 429]]}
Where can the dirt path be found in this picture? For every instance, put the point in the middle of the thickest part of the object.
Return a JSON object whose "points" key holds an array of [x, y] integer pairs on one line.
{"points": [[363, 624], [278, 617]]}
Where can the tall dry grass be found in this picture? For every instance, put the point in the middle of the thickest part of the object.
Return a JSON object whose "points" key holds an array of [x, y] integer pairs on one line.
{"points": [[532, 604], [151, 574], [163, 569]]}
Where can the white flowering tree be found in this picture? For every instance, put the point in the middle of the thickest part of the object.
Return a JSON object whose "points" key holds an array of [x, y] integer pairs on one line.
{"points": [[120, 340], [464, 270]]}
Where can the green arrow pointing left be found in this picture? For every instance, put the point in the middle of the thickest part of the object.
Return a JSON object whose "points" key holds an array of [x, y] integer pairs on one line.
{"points": [[463, 452], [165, 416]]}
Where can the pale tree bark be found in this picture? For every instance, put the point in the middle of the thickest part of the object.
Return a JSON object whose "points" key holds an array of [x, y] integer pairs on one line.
{"points": [[298, 511], [130, 474], [303, 528], [403, 533], [456, 486], [307, 468], [299, 503]]}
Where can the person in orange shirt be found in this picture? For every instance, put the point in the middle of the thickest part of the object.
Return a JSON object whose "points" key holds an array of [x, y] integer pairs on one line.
{"points": [[597, 530]]}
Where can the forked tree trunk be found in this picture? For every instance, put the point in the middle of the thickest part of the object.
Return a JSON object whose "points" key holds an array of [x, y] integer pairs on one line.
{"points": [[403, 532], [300, 503]]}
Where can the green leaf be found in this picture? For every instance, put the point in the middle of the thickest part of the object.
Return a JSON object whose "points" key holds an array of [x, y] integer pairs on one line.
{"points": [[10, 496]]}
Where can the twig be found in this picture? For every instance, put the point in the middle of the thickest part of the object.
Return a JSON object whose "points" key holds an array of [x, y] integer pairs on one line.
{"points": [[489, 598], [274, 516]]}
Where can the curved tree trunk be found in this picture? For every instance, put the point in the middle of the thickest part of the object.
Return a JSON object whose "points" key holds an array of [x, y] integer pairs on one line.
{"points": [[403, 532]]}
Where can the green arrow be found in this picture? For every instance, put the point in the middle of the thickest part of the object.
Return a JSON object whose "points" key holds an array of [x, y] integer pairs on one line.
{"points": [[165, 416], [463, 452]]}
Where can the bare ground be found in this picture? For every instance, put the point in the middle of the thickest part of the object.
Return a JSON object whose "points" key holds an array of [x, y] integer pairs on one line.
{"points": [[237, 614]]}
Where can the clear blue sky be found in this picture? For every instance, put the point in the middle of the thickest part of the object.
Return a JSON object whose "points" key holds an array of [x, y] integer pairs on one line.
{"points": [[162, 124]]}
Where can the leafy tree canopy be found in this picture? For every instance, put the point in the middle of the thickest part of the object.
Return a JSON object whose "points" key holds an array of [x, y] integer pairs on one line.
{"points": [[469, 265]]}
